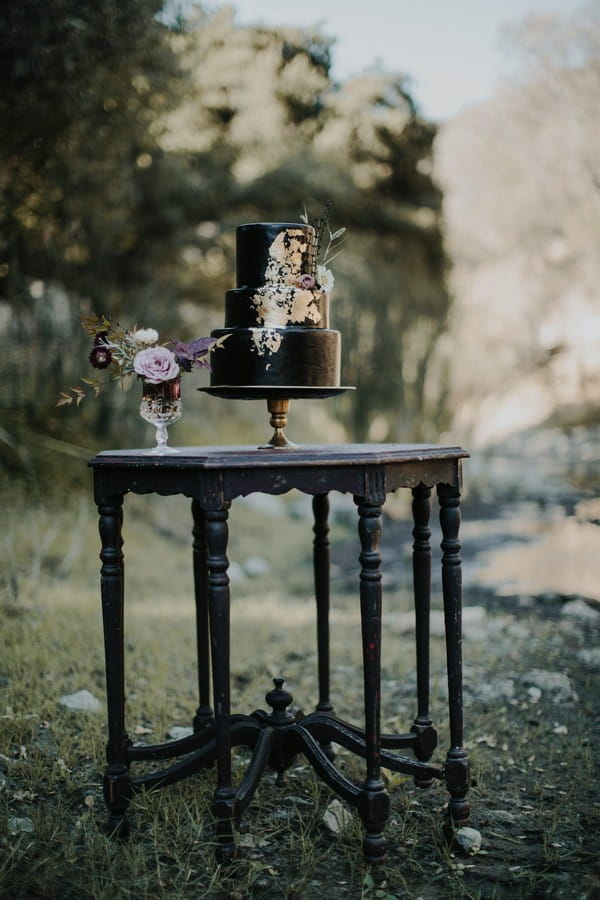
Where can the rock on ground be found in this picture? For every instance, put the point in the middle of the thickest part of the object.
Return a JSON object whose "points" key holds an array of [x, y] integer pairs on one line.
{"points": [[255, 566], [556, 684], [81, 701], [337, 817], [20, 825], [468, 839], [177, 732]]}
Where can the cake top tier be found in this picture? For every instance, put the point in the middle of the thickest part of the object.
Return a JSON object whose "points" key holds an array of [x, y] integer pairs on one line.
{"points": [[274, 253]]}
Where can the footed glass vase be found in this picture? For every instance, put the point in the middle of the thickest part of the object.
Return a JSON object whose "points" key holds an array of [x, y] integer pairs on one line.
{"points": [[161, 406]]}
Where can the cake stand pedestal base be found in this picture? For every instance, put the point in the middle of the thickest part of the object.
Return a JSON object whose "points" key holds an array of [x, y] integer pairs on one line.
{"points": [[278, 403], [279, 411]]}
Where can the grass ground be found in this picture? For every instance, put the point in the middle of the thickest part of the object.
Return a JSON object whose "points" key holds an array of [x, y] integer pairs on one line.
{"points": [[535, 795]]}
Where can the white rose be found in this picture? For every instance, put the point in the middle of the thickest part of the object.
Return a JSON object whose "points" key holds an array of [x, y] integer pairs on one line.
{"points": [[145, 336]]}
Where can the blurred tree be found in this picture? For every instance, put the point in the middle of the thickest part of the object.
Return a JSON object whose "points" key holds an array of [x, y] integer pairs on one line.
{"points": [[82, 85], [89, 206], [129, 151], [393, 275]]}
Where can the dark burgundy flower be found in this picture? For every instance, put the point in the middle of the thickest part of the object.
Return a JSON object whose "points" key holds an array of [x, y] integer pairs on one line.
{"points": [[100, 338], [100, 357]]}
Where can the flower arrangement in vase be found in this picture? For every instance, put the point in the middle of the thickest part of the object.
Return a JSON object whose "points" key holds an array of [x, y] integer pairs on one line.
{"points": [[123, 352]]}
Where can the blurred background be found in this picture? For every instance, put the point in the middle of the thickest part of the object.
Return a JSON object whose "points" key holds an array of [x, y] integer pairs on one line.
{"points": [[459, 147]]}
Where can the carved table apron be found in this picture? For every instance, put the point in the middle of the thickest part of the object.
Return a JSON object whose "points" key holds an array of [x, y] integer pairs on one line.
{"points": [[214, 476]]}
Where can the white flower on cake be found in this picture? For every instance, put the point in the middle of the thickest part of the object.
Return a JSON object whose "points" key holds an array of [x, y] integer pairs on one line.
{"points": [[325, 278]]}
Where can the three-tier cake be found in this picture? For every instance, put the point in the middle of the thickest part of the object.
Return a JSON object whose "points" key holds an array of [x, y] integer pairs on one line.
{"points": [[277, 318]]}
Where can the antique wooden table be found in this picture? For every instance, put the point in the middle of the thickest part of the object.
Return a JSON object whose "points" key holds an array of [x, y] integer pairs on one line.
{"points": [[214, 476]]}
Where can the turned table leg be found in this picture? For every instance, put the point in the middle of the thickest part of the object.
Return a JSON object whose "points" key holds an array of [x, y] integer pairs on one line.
{"points": [[320, 505], [204, 714], [423, 725], [225, 805], [457, 760], [117, 785], [374, 801]]}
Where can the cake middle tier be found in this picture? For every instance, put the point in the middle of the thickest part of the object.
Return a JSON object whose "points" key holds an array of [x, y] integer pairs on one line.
{"points": [[277, 357], [276, 307]]}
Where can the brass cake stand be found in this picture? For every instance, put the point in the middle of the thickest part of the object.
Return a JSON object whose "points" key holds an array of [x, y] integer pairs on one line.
{"points": [[278, 404]]}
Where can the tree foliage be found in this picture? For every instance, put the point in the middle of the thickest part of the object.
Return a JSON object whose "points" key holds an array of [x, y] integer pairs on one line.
{"points": [[128, 154]]}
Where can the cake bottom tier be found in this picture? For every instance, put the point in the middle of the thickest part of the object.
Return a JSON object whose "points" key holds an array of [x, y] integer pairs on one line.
{"points": [[277, 357]]}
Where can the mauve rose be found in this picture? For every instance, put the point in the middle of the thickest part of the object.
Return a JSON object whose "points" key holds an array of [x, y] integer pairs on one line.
{"points": [[307, 282], [156, 364]]}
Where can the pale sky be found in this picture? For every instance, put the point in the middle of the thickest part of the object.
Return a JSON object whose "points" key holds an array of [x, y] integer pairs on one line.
{"points": [[449, 48]]}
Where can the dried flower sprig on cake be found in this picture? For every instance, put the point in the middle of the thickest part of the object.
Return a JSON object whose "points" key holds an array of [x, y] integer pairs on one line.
{"points": [[322, 274], [123, 352]]}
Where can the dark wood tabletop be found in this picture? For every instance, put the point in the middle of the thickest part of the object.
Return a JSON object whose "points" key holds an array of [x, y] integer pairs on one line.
{"points": [[216, 457]]}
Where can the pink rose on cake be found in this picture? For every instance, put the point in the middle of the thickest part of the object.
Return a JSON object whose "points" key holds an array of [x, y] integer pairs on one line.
{"points": [[306, 282], [156, 364]]}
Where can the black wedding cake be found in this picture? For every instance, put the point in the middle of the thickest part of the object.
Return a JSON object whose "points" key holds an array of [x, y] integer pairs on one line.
{"points": [[277, 318]]}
